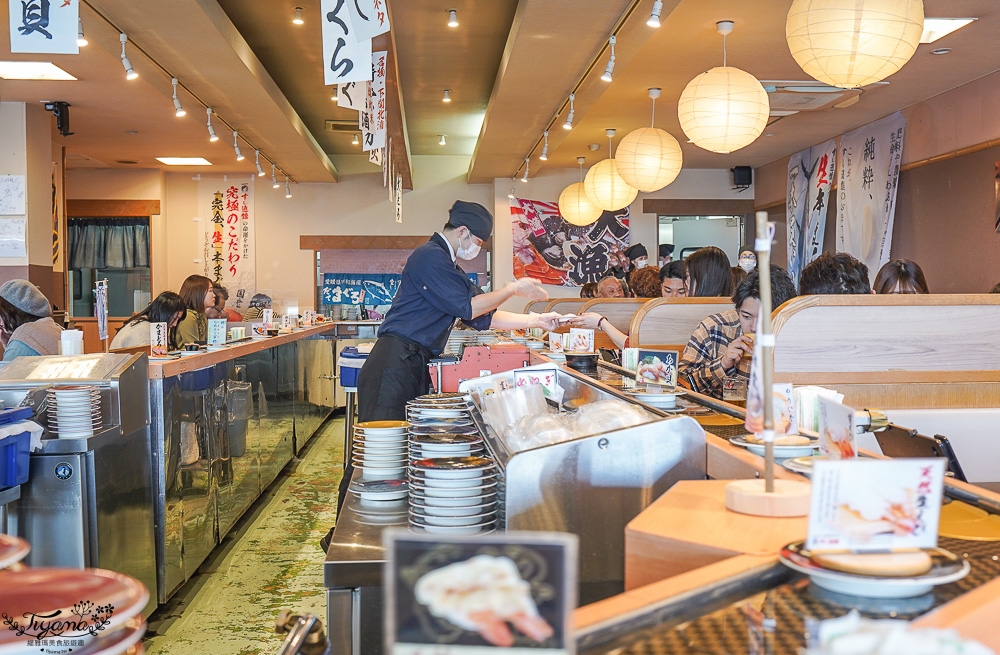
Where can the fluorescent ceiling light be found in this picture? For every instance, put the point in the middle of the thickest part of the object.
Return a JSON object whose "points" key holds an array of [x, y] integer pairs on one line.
{"points": [[32, 70], [935, 28], [184, 161]]}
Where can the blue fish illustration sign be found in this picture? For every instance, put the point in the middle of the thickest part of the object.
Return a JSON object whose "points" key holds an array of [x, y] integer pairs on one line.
{"points": [[370, 289]]}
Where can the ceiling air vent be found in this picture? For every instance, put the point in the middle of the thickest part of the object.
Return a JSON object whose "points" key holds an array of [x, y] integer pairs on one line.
{"points": [[789, 97]]}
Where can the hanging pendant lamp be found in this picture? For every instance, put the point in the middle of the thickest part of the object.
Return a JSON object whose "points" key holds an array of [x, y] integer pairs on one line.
{"points": [[574, 205], [649, 158], [605, 187]]}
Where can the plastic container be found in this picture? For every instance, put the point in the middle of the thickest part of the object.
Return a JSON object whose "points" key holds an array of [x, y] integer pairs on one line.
{"points": [[14, 453], [351, 362]]}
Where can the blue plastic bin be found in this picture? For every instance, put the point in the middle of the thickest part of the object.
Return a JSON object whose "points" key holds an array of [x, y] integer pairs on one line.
{"points": [[351, 362], [14, 453]]}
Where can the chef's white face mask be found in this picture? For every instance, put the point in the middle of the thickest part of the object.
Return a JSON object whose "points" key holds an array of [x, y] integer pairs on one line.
{"points": [[641, 262], [748, 261], [470, 252]]}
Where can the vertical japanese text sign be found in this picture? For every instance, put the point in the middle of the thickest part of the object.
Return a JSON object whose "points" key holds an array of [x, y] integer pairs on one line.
{"points": [[345, 54], [44, 26]]}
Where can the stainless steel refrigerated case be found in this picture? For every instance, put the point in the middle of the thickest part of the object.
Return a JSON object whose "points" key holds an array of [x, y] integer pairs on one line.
{"points": [[88, 501]]}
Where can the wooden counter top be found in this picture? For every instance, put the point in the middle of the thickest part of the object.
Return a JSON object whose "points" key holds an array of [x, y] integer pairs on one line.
{"points": [[205, 359]]}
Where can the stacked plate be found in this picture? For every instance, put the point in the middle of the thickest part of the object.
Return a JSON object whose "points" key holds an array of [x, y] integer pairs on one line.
{"points": [[658, 399], [379, 449], [74, 411], [453, 495], [443, 409]]}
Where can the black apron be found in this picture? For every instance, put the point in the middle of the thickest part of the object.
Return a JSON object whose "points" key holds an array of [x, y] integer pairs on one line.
{"points": [[394, 374]]}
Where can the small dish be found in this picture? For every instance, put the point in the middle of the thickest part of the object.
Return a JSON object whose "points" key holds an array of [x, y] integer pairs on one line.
{"points": [[780, 452], [380, 490]]}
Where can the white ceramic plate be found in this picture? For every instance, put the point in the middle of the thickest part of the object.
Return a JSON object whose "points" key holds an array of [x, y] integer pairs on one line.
{"points": [[780, 452], [426, 519], [946, 568]]}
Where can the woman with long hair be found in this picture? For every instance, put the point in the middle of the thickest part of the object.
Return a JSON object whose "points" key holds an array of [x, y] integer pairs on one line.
{"points": [[196, 292], [168, 307], [708, 273], [900, 276]]}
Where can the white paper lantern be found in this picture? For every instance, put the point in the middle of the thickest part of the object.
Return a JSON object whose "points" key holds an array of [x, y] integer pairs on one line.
{"points": [[648, 159], [576, 208], [851, 43], [723, 110], [606, 188]]}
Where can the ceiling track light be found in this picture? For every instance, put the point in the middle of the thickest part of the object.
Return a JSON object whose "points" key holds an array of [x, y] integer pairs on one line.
{"points": [[452, 18], [447, 96], [288, 192], [178, 110], [545, 148], [297, 18], [441, 140], [274, 180], [356, 140], [513, 187], [256, 155], [81, 40], [527, 165], [236, 146], [130, 73], [212, 136], [654, 16], [568, 125], [611, 62]]}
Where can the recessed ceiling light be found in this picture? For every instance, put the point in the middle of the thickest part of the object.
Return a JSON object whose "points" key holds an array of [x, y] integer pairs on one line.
{"points": [[297, 19], [940, 51], [32, 70], [184, 161], [935, 28]]}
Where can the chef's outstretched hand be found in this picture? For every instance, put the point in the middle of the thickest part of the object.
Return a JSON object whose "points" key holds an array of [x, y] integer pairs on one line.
{"points": [[549, 320], [587, 321], [529, 287]]}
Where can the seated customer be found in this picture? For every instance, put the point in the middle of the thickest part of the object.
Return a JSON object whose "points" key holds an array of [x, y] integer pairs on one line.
{"points": [[168, 307], [589, 290], [645, 282], [708, 274], [900, 276], [26, 325], [610, 287], [722, 344], [218, 310], [197, 295], [833, 274], [672, 280], [258, 304]]}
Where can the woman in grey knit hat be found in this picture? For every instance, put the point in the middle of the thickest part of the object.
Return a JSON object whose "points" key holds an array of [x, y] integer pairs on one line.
{"points": [[26, 325]]}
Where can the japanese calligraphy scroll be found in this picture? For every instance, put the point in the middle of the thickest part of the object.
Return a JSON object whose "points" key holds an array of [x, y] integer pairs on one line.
{"points": [[560, 253], [44, 26], [229, 248], [866, 202], [810, 174]]}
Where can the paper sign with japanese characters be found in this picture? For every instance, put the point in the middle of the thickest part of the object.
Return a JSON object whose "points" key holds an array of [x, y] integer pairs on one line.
{"points": [[556, 342], [352, 95], [288, 321], [346, 56], [581, 340], [368, 17], [652, 366], [44, 26], [216, 331], [376, 103], [545, 377], [783, 418], [875, 505], [837, 434], [510, 592], [158, 339], [267, 316], [229, 247]]}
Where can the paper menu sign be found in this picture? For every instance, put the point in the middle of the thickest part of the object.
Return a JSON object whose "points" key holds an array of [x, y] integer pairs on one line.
{"points": [[267, 316], [307, 318], [257, 330], [580, 341], [216, 331], [652, 366], [837, 434], [437, 586], [545, 377], [872, 505], [287, 321], [555, 342], [784, 417], [158, 335]]}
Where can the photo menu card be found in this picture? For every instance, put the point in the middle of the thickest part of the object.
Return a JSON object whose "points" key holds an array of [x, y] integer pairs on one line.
{"points": [[837, 430], [658, 367], [511, 592], [158, 334], [866, 505]]}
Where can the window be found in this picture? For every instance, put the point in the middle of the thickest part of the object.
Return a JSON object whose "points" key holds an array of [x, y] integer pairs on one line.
{"points": [[116, 249]]}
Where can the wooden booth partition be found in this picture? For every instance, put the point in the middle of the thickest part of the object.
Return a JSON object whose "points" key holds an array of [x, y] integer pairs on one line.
{"points": [[893, 351], [566, 305], [618, 311], [669, 322], [537, 306]]}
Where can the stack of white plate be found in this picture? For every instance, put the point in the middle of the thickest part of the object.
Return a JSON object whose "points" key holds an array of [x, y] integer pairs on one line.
{"points": [[450, 409], [453, 495], [535, 344], [379, 449], [74, 411], [443, 444]]}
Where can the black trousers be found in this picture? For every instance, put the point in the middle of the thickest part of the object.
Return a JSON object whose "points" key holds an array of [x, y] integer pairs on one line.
{"points": [[394, 374]]}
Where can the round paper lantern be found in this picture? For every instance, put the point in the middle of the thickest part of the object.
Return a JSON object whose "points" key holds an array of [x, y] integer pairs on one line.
{"points": [[648, 159], [606, 188], [851, 43], [576, 208], [723, 109]]}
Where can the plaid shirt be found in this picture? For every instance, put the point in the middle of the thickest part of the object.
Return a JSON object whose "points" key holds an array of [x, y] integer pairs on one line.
{"points": [[701, 363]]}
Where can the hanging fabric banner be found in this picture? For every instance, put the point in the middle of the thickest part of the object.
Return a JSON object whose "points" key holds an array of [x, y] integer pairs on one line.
{"points": [[346, 56], [44, 26], [229, 248], [556, 252], [810, 174], [869, 172]]}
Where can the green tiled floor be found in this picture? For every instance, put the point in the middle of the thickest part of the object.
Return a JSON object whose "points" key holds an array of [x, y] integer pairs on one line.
{"points": [[270, 561]]}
